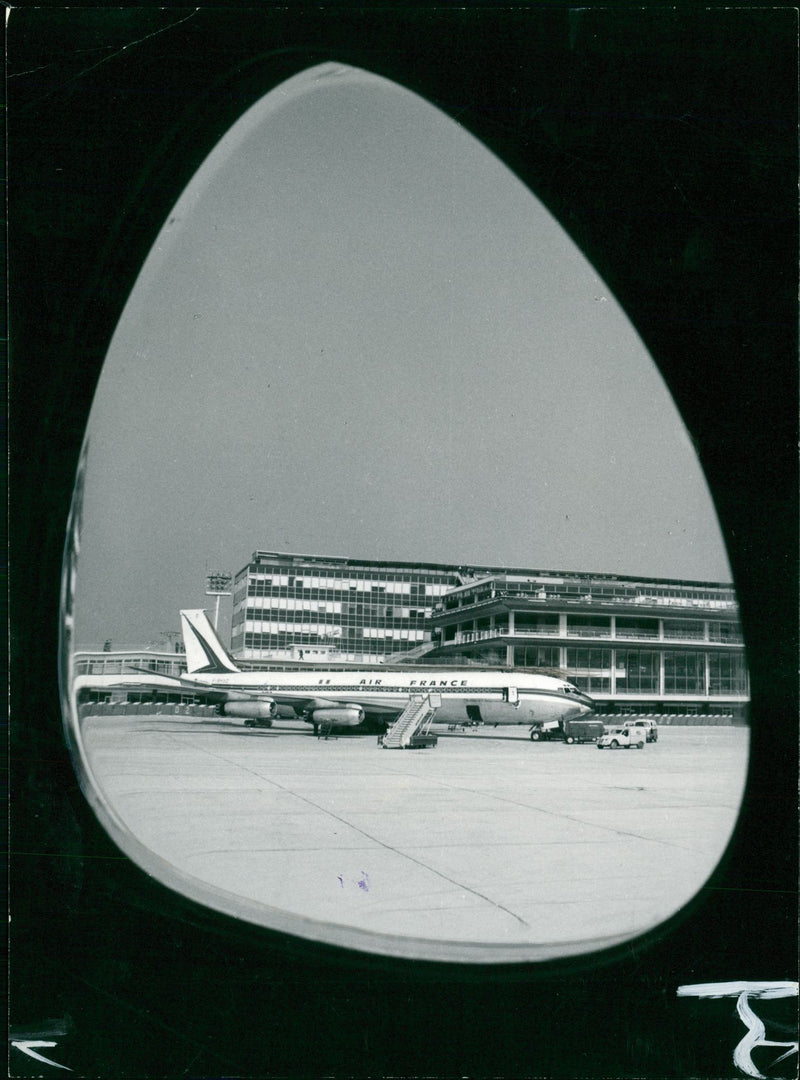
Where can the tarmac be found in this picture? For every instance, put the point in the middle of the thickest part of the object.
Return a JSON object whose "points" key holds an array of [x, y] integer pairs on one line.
{"points": [[486, 848]]}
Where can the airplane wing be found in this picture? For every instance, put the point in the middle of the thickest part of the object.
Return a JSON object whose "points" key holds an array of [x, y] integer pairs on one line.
{"points": [[303, 701]]}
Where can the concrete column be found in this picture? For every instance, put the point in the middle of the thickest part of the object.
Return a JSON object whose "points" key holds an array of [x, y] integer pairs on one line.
{"points": [[510, 648], [661, 672], [707, 673]]}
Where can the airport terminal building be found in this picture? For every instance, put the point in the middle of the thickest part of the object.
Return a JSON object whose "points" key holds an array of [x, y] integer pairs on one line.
{"points": [[634, 644]]}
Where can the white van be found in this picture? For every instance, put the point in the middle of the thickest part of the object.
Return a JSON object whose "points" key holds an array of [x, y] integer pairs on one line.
{"points": [[650, 728], [622, 738]]}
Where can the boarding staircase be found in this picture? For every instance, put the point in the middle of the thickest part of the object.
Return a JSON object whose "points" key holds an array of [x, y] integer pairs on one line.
{"points": [[411, 727], [410, 654]]}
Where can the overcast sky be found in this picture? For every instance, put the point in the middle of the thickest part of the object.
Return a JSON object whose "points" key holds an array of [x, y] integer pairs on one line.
{"points": [[359, 334]]}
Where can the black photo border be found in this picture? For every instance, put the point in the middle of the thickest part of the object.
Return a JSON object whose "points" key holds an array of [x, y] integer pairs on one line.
{"points": [[664, 141]]}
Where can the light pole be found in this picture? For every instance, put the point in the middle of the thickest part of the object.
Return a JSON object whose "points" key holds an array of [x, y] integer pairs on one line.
{"points": [[218, 584]]}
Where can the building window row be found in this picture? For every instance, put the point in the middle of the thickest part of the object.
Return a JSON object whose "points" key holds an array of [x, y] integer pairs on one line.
{"points": [[684, 673], [591, 592], [274, 626], [270, 603], [283, 583], [331, 631], [375, 610], [378, 617], [270, 642], [727, 674], [536, 656], [270, 566], [591, 626], [638, 671]]}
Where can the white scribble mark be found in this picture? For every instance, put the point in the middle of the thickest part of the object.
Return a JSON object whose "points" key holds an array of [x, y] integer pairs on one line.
{"points": [[754, 1037], [743, 991], [26, 1046]]}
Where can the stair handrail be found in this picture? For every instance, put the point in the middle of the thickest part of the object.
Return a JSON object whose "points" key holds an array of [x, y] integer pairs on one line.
{"points": [[410, 720]]}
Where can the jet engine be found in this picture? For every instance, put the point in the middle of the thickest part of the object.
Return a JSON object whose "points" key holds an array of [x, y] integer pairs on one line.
{"points": [[260, 712], [338, 715]]}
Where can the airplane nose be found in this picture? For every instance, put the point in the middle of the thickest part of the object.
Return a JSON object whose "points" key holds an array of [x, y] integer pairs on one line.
{"points": [[586, 701]]}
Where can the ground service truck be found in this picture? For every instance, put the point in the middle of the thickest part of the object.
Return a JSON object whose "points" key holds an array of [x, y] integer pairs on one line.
{"points": [[569, 731]]}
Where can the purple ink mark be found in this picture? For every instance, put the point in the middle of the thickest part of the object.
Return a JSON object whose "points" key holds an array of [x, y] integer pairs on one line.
{"points": [[363, 882]]}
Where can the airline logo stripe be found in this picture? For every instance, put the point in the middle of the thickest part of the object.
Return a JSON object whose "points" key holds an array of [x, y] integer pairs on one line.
{"points": [[316, 688], [214, 664]]}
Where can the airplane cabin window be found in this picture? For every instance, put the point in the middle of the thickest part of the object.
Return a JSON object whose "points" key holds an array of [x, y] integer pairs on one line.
{"points": [[355, 278]]}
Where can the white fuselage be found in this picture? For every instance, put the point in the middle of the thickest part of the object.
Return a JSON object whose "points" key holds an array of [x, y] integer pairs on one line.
{"points": [[500, 697]]}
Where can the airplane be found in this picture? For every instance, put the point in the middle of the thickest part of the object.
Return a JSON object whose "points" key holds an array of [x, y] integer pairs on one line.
{"points": [[349, 697]]}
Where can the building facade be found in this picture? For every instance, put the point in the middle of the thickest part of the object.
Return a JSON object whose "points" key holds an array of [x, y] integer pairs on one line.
{"points": [[634, 645], [309, 607]]}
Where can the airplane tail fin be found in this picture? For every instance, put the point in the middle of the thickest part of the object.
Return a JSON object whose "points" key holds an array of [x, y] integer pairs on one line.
{"points": [[204, 651]]}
